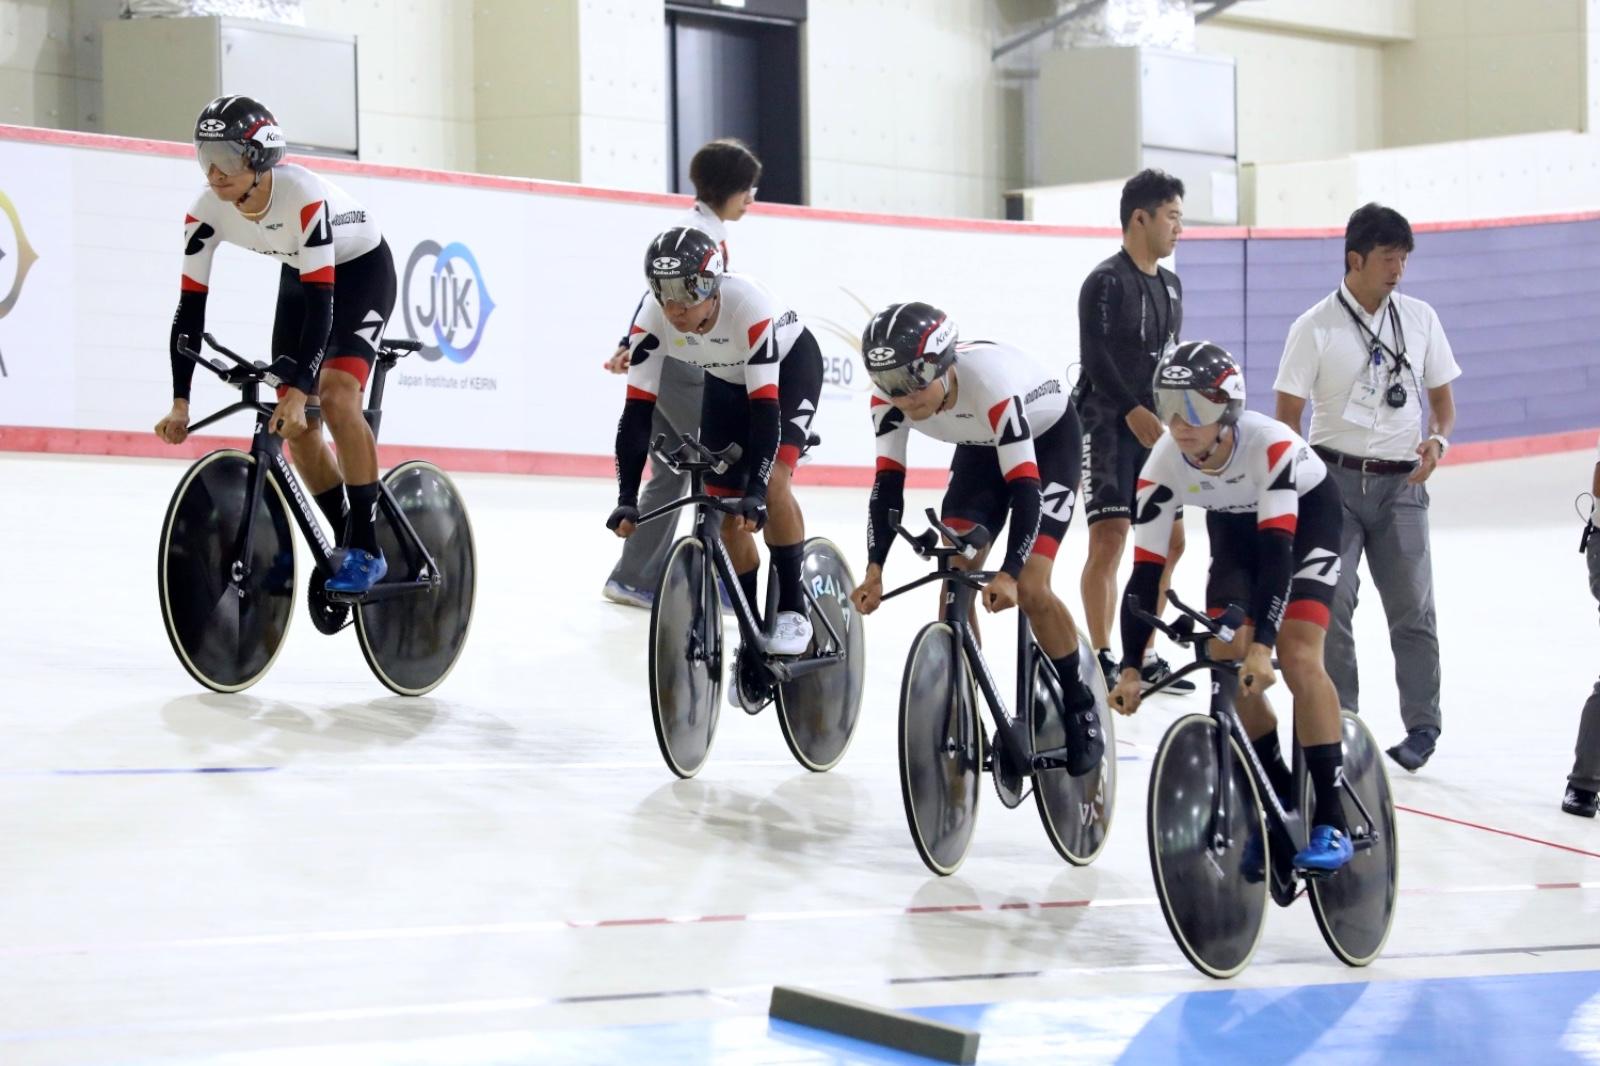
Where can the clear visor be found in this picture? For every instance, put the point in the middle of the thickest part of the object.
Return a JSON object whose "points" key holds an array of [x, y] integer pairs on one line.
{"points": [[686, 291], [1190, 405], [226, 156], [904, 380]]}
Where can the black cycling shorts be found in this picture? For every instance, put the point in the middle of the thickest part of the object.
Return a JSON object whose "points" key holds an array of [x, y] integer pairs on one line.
{"points": [[978, 494], [1234, 539], [725, 414], [363, 289], [1112, 458]]}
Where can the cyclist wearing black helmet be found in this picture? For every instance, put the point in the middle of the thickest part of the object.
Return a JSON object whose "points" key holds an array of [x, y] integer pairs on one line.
{"points": [[1018, 445], [336, 290], [1273, 516], [763, 377]]}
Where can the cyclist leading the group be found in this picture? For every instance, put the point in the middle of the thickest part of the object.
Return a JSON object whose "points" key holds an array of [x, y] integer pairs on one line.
{"points": [[1273, 516], [336, 290], [1018, 448], [763, 378]]}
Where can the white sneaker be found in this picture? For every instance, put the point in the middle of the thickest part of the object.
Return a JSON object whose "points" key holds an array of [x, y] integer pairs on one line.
{"points": [[791, 634]]}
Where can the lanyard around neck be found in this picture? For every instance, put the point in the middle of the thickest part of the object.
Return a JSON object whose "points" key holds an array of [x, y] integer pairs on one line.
{"points": [[1374, 342], [1144, 290]]}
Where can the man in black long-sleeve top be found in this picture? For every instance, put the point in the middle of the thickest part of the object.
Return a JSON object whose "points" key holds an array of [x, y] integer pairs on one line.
{"points": [[1130, 312]]}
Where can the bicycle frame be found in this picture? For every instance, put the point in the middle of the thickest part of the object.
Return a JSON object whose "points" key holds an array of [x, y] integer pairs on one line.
{"points": [[708, 510], [1289, 824], [960, 590], [267, 450]]}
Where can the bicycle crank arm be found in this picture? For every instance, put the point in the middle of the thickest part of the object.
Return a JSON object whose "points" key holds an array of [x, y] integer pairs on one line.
{"points": [[789, 669], [387, 590]]}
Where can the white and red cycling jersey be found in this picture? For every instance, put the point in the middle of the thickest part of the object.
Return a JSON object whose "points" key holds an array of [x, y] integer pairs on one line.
{"points": [[1270, 468], [310, 223], [753, 333], [1005, 400]]}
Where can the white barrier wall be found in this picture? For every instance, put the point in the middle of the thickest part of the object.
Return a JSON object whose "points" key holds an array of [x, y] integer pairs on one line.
{"points": [[537, 284]]}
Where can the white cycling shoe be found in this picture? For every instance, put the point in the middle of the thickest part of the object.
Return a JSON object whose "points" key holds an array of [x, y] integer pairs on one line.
{"points": [[791, 634]]}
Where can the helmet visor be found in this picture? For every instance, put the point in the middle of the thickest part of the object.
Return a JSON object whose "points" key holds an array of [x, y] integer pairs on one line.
{"points": [[1191, 405], [904, 380], [686, 291], [226, 156]]}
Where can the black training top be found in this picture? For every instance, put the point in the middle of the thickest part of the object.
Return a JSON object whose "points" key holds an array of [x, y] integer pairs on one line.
{"points": [[1126, 319]]}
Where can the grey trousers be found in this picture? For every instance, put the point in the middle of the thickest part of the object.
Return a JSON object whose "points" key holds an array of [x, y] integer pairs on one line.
{"points": [[1586, 758], [677, 411], [1387, 519]]}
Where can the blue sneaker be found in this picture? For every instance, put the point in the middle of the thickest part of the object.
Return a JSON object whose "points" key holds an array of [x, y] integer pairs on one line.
{"points": [[1329, 849], [359, 571], [628, 595]]}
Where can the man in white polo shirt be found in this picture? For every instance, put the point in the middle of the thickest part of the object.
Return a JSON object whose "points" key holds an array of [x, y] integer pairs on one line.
{"points": [[1363, 357]]}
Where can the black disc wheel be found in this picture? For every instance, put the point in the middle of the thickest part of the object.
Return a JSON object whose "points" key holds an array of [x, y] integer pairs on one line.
{"points": [[1076, 811], [1215, 911], [412, 640], [226, 617], [941, 756], [685, 658], [818, 711], [1355, 906]]}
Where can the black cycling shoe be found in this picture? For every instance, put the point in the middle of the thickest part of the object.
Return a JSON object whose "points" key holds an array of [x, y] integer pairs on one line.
{"points": [[1109, 667], [1156, 670], [1086, 741], [1579, 801]]}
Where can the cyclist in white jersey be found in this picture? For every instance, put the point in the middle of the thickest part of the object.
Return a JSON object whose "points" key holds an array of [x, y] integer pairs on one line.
{"points": [[336, 290], [1273, 517], [1018, 453], [724, 173], [763, 378]]}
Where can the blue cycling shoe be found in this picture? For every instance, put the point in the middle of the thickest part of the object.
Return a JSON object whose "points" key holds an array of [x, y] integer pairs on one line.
{"points": [[359, 571], [1329, 850]]}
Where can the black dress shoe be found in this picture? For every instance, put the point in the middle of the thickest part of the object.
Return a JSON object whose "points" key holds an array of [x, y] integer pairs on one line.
{"points": [[1415, 750], [1579, 801]]}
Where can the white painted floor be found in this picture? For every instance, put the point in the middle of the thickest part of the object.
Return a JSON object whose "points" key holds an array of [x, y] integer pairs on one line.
{"points": [[483, 863]]}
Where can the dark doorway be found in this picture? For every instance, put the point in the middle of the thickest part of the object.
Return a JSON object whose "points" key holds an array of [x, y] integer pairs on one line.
{"points": [[736, 76]]}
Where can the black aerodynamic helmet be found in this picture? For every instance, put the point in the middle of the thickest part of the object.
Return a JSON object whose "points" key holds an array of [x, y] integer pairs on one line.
{"points": [[236, 134], [684, 266], [1199, 382], [908, 346]]}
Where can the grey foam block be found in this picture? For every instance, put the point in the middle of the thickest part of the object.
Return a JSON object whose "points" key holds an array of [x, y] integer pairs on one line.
{"points": [[876, 1025]]}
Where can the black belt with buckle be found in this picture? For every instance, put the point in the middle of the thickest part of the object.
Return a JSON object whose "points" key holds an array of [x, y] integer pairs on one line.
{"points": [[1366, 466]]}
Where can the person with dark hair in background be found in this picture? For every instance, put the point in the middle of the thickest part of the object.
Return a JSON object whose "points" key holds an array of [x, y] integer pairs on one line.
{"points": [[1130, 312], [1583, 784], [725, 173], [1364, 356]]}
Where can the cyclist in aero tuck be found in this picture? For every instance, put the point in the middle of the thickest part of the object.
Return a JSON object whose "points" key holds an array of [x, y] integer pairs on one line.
{"points": [[763, 377], [336, 290]]}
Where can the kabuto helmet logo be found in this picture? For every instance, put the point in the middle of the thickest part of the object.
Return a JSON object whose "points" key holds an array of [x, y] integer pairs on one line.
{"points": [[16, 258], [444, 300]]}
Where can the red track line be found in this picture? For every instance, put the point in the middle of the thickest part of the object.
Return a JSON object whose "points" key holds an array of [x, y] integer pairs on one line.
{"points": [[1501, 832]]}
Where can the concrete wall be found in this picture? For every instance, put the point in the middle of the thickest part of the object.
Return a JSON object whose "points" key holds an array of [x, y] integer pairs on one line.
{"points": [[415, 76], [924, 126], [1481, 68]]}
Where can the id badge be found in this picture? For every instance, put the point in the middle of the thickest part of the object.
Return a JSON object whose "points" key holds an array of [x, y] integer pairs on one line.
{"points": [[1362, 410]]}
